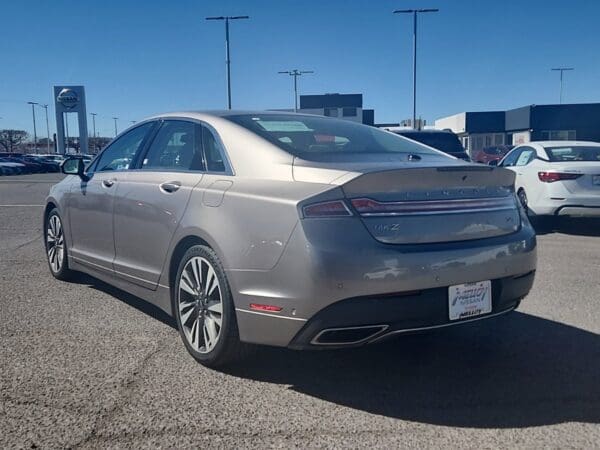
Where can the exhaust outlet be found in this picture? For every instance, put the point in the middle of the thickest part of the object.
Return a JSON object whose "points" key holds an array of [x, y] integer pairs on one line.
{"points": [[348, 335]]}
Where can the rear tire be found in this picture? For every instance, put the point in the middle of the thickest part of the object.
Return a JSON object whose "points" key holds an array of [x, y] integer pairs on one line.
{"points": [[56, 247], [203, 308], [524, 201]]}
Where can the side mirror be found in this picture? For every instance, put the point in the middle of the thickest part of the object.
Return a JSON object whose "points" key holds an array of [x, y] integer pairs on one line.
{"points": [[493, 162], [74, 166]]}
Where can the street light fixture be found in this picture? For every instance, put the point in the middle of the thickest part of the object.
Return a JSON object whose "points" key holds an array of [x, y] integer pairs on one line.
{"points": [[295, 73], [415, 12], [34, 128], [227, 60], [561, 70], [47, 129], [115, 119]]}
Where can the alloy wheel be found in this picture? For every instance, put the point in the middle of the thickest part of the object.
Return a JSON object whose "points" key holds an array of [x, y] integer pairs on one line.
{"points": [[55, 245], [200, 304]]}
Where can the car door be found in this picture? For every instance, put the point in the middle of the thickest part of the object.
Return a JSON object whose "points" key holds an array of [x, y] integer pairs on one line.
{"points": [[152, 198], [523, 167], [91, 201]]}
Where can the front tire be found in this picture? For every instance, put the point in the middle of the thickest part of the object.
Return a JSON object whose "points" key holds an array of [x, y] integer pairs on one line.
{"points": [[203, 308], [56, 247]]}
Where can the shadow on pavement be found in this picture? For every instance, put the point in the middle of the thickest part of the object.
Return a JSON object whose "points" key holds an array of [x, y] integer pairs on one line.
{"points": [[514, 371], [131, 300], [566, 225]]}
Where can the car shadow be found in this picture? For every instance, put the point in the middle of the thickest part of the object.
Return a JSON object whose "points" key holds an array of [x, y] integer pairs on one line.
{"points": [[566, 225], [515, 371], [131, 300]]}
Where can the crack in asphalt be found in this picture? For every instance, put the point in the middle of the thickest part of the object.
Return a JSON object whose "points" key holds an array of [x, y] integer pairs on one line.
{"points": [[125, 394]]}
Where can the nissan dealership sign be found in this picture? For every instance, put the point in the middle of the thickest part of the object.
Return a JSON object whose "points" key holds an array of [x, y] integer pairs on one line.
{"points": [[68, 98]]}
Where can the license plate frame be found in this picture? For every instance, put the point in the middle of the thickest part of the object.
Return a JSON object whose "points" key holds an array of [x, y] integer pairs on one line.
{"points": [[469, 300]]}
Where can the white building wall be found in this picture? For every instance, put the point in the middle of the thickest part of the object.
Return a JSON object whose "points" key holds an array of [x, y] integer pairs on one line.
{"points": [[457, 123]]}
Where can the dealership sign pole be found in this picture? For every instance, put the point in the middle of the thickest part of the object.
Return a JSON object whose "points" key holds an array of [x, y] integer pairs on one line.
{"points": [[70, 99]]}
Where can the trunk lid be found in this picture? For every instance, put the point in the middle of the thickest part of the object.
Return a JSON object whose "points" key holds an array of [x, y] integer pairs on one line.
{"points": [[587, 183], [415, 205]]}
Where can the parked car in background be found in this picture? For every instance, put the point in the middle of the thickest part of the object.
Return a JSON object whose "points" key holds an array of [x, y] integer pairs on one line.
{"points": [[489, 154], [557, 178], [291, 230], [30, 166], [443, 140], [47, 165], [9, 167]]}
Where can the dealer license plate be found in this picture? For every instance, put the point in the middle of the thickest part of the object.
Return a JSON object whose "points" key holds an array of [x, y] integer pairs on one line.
{"points": [[470, 299]]}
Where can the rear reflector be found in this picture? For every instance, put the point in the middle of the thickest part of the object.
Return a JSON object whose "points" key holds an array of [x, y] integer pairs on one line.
{"points": [[370, 207], [269, 308], [551, 177], [335, 208]]}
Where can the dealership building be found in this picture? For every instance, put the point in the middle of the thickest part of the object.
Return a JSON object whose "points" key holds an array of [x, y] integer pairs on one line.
{"points": [[481, 129], [344, 106]]}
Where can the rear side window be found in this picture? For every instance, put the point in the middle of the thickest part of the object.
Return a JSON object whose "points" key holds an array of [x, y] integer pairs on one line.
{"points": [[119, 154], [177, 146], [573, 153], [213, 152]]}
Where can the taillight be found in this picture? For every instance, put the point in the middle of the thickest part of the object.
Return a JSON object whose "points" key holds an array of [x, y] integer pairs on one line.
{"points": [[551, 177], [335, 208]]}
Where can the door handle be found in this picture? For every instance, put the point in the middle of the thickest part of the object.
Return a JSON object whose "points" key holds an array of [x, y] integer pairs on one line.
{"points": [[170, 186], [108, 183]]}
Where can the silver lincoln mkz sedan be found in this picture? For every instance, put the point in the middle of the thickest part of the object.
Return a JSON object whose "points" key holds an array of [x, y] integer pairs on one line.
{"points": [[291, 230]]}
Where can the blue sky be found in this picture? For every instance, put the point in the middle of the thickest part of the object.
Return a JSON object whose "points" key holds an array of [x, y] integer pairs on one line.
{"points": [[140, 58]]}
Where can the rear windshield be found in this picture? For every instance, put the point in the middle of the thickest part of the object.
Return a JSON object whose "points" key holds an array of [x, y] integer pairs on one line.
{"points": [[573, 153], [446, 142], [313, 137]]}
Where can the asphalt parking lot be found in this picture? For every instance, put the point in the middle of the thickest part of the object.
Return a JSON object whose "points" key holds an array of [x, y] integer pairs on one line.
{"points": [[85, 365]]}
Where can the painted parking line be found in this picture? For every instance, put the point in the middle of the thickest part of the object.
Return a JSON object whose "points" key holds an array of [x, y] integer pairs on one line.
{"points": [[21, 206]]}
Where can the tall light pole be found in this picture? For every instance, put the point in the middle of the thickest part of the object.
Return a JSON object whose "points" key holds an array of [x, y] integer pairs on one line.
{"points": [[34, 128], [47, 129], [115, 119], [227, 59], [561, 70], [415, 12], [94, 124], [295, 73]]}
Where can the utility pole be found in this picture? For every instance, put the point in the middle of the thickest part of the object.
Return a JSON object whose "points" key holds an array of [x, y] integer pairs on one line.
{"points": [[115, 119], [47, 129], [95, 145], [415, 12], [227, 58], [34, 128], [561, 70], [295, 73]]}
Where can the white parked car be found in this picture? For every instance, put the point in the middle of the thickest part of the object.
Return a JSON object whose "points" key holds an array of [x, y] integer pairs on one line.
{"points": [[557, 178]]}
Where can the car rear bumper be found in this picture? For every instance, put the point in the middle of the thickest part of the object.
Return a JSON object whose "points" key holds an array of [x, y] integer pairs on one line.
{"points": [[317, 270], [358, 321]]}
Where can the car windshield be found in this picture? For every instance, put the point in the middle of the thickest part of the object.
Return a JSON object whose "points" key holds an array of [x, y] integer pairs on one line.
{"points": [[574, 153], [314, 137], [444, 141]]}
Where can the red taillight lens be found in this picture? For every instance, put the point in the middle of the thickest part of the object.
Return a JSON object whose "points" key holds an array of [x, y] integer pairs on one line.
{"points": [[335, 208], [551, 177]]}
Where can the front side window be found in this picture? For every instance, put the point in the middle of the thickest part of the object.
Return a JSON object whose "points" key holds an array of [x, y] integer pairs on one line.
{"points": [[511, 158], [319, 138], [177, 146], [119, 154]]}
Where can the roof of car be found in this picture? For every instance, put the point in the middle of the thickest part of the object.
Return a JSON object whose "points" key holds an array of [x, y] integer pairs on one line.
{"points": [[225, 113], [563, 143]]}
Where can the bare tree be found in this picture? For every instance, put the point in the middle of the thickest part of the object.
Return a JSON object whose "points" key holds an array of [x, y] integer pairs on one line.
{"points": [[11, 139]]}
